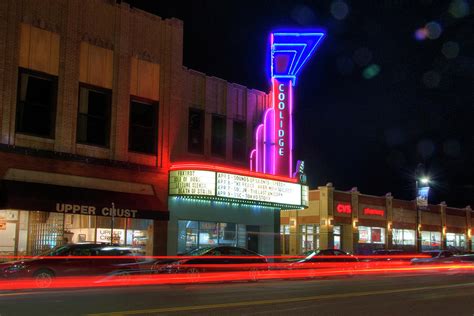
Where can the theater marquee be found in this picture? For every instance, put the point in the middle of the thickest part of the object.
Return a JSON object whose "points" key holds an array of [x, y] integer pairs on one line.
{"points": [[232, 187]]}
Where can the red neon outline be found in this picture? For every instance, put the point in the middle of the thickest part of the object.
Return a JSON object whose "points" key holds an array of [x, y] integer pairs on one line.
{"points": [[234, 170]]}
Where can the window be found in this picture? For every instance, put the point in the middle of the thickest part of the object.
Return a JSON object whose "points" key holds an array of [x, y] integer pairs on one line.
{"points": [[430, 240], [193, 235], [218, 135], [309, 237], [371, 235], [403, 237], [93, 120], [239, 141], [337, 237], [36, 108], [457, 241], [142, 136], [196, 131]]}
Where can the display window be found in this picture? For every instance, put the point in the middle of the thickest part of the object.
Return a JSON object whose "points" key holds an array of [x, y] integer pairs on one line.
{"points": [[455, 241], [195, 234], [337, 237], [309, 237], [371, 235], [38, 232], [430, 240], [405, 237], [285, 239]]}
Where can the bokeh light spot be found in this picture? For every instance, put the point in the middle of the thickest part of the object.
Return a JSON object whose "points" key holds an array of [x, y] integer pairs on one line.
{"points": [[421, 34], [450, 49], [459, 8], [339, 9], [433, 29], [431, 79], [371, 71]]}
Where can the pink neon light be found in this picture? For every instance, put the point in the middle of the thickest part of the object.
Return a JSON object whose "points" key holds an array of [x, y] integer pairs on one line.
{"points": [[258, 164], [273, 106], [252, 161], [221, 168]]}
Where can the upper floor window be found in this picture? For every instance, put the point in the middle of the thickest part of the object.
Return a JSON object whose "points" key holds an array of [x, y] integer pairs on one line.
{"points": [[143, 126], [36, 108], [218, 135], [239, 141], [196, 131], [93, 119]]}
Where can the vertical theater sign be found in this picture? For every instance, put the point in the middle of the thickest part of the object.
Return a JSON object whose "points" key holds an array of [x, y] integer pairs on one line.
{"points": [[273, 153], [271, 181]]}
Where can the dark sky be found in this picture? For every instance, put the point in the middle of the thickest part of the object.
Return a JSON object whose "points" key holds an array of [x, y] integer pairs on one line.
{"points": [[374, 102]]}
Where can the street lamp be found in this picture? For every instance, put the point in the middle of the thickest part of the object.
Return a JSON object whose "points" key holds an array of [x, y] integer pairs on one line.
{"points": [[424, 180]]}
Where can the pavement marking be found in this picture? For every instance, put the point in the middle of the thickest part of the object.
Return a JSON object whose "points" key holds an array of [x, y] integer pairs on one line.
{"points": [[19, 293], [278, 301]]}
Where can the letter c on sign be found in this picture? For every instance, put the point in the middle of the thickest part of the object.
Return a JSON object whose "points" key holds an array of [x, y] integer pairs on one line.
{"points": [[280, 87]]}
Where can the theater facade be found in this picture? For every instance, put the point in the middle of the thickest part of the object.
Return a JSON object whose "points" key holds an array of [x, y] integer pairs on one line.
{"points": [[105, 137]]}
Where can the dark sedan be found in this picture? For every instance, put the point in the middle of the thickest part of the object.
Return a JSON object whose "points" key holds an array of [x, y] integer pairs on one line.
{"points": [[71, 260]]}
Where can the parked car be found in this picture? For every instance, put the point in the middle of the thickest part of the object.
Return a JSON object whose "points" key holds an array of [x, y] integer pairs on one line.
{"points": [[71, 260], [435, 257], [316, 258], [210, 259], [388, 255]]}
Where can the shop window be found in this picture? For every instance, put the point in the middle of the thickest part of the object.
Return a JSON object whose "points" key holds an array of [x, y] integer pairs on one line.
{"points": [[371, 235], [196, 131], [193, 235], [337, 237], [36, 108], [455, 241], [239, 141], [403, 237], [142, 133], [430, 240], [218, 135], [93, 119], [309, 238]]}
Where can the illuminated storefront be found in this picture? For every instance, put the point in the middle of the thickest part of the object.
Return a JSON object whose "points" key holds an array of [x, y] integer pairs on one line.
{"points": [[38, 217], [360, 223]]}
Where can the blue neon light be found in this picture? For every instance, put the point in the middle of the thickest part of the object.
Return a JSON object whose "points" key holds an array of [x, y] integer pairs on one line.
{"points": [[298, 47]]}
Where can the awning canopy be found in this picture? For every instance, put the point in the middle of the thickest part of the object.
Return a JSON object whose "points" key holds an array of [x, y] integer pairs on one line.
{"points": [[72, 200]]}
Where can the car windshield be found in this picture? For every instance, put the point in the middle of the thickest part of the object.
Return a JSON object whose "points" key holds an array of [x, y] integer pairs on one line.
{"points": [[57, 251], [433, 254], [198, 252]]}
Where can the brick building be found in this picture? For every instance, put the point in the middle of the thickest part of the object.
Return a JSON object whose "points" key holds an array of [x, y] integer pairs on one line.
{"points": [[95, 107], [361, 223]]}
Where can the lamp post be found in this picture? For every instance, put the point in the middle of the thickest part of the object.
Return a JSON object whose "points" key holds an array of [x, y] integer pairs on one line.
{"points": [[424, 181]]}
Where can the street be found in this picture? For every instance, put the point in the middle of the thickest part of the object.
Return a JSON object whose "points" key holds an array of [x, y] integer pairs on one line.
{"points": [[422, 294]]}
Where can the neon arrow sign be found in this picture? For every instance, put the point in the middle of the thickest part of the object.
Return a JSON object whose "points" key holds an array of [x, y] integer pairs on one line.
{"points": [[273, 153]]}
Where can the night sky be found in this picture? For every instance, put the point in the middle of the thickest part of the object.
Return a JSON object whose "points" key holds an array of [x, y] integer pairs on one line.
{"points": [[391, 86]]}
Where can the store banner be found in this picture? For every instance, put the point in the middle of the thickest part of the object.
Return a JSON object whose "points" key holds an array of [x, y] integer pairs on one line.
{"points": [[422, 197]]}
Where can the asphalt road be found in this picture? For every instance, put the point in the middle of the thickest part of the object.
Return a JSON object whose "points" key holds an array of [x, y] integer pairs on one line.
{"points": [[434, 294]]}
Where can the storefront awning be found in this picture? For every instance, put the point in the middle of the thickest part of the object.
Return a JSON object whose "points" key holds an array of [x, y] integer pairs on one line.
{"points": [[72, 200]]}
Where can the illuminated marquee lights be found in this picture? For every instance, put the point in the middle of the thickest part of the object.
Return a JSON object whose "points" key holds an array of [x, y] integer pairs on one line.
{"points": [[373, 211], [274, 146], [217, 184]]}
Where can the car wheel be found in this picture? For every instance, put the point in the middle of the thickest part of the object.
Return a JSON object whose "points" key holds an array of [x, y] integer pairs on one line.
{"points": [[43, 278]]}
